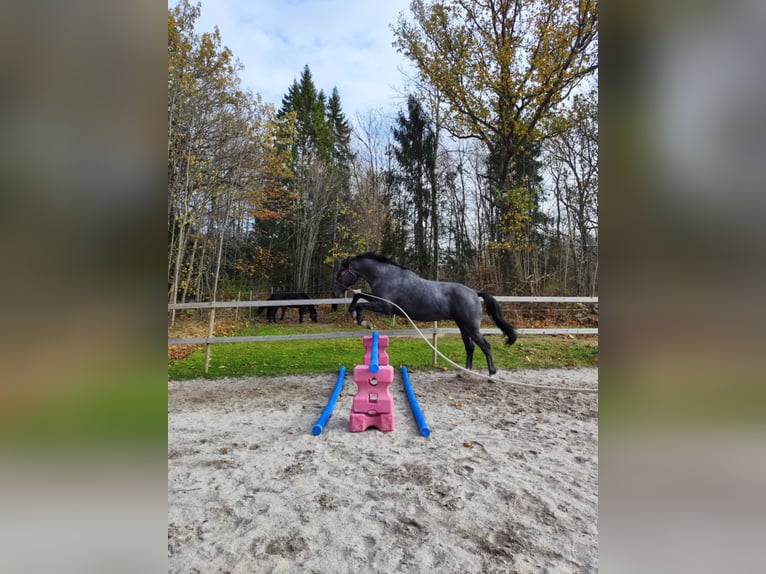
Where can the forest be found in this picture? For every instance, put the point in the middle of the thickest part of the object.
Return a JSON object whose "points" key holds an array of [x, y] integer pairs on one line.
{"points": [[487, 176]]}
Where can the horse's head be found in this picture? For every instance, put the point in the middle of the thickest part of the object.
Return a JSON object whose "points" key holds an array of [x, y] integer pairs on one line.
{"points": [[344, 279]]}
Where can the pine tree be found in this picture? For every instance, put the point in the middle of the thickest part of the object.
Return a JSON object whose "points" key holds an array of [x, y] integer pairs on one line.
{"points": [[415, 154], [320, 163]]}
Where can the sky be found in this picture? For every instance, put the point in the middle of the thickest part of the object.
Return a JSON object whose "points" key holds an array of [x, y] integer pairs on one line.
{"points": [[345, 43]]}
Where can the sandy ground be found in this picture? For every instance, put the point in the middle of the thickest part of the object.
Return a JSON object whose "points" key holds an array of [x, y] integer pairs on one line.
{"points": [[507, 481]]}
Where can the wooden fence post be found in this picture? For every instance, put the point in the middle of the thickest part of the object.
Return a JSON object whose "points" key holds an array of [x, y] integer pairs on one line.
{"points": [[435, 344], [209, 334]]}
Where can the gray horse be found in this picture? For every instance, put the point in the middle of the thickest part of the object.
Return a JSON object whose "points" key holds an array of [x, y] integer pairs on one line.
{"points": [[421, 299]]}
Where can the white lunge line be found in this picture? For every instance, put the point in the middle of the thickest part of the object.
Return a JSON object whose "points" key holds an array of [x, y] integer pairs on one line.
{"points": [[475, 373]]}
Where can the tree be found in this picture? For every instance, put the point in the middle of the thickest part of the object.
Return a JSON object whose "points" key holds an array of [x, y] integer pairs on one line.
{"points": [[573, 156], [368, 214], [226, 173], [320, 156], [201, 84], [501, 67], [415, 153], [342, 162], [461, 200], [340, 132]]}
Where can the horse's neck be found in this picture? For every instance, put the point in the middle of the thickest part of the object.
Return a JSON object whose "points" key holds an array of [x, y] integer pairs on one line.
{"points": [[385, 276], [370, 270]]}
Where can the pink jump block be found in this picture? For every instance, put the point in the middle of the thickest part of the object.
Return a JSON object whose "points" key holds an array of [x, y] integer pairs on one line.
{"points": [[382, 352], [373, 404]]}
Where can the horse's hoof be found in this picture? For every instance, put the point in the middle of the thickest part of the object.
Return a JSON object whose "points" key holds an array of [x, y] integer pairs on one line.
{"points": [[353, 314], [367, 325]]}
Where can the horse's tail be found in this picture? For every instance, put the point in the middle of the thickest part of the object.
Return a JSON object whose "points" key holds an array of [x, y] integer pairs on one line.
{"points": [[497, 316]]}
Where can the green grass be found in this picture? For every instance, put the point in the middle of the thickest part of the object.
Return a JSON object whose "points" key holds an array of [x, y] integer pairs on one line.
{"points": [[327, 355]]}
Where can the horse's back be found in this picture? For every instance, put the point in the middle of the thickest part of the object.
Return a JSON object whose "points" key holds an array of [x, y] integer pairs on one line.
{"points": [[287, 295], [426, 300], [463, 297]]}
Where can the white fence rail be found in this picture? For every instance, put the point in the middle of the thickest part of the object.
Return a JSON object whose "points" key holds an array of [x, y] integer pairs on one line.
{"points": [[347, 300], [434, 331]]}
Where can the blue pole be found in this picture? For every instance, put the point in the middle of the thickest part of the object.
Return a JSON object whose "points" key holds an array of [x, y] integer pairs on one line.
{"points": [[374, 362], [324, 417], [419, 418]]}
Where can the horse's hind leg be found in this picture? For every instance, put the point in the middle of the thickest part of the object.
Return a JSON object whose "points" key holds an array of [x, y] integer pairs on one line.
{"points": [[487, 350], [472, 334], [469, 347]]}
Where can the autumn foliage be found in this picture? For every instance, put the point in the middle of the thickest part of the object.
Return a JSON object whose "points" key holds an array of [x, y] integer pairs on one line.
{"points": [[488, 175]]}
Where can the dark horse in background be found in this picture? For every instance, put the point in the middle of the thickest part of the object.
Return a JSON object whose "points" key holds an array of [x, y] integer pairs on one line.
{"points": [[421, 299], [271, 312]]}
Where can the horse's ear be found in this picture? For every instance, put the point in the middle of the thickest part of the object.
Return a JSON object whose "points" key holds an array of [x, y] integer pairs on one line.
{"points": [[345, 263]]}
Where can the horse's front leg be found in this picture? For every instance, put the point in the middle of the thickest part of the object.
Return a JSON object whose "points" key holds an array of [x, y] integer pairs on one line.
{"points": [[375, 306], [357, 313], [360, 320]]}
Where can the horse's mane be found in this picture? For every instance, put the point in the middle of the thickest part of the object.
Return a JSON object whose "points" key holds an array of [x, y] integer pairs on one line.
{"points": [[380, 258]]}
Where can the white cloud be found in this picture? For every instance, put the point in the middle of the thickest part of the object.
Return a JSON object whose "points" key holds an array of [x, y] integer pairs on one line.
{"points": [[345, 43]]}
